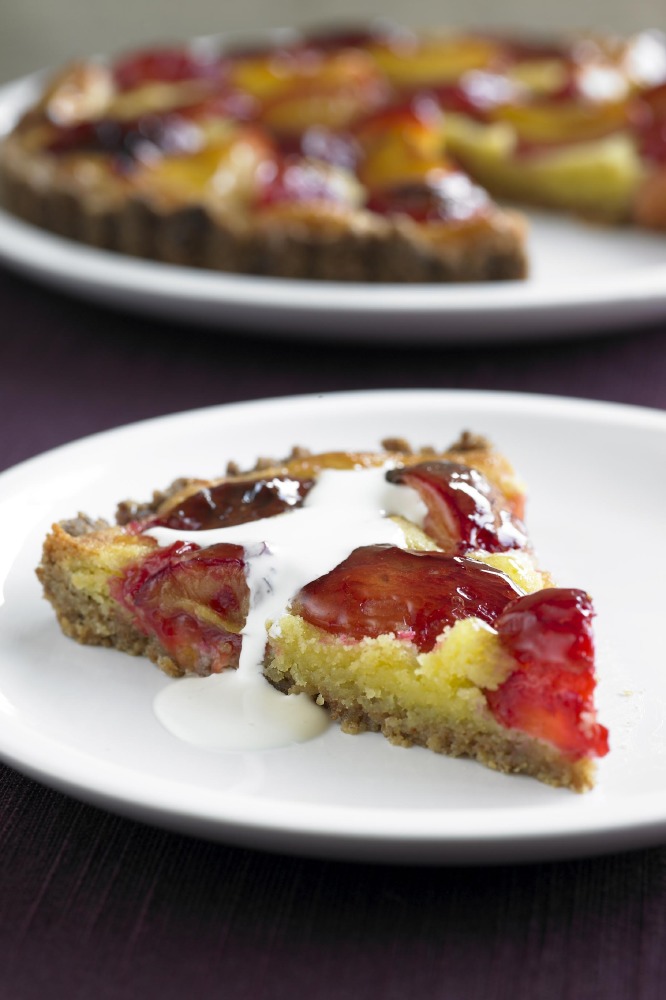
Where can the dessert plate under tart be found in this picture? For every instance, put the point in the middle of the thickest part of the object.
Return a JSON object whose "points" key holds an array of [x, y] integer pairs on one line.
{"points": [[585, 278], [82, 719]]}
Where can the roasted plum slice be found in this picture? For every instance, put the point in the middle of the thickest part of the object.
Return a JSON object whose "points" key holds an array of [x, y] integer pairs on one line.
{"points": [[295, 180], [193, 601], [236, 502], [441, 196], [131, 141], [400, 144], [477, 94], [167, 65], [333, 103], [465, 511], [336, 147], [154, 134], [382, 589], [415, 595], [550, 694]]}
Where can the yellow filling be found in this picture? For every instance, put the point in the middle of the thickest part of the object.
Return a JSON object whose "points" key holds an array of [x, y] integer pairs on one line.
{"points": [[92, 576], [388, 675], [597, 177]]}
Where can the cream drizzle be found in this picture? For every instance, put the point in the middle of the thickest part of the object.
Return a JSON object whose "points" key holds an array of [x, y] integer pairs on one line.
{"points": [[238, 709]]}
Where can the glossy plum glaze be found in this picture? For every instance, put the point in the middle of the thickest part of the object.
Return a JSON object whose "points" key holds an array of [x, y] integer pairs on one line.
{"points": [[382, 589], [236, 502], [464, 511], [447, 198], [549, 696]]}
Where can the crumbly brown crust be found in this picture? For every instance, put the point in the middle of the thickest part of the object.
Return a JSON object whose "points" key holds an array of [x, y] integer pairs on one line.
{"points": [[349, 246], [509, 752]]}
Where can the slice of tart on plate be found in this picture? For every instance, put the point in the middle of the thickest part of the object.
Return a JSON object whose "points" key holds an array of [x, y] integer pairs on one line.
{"points": [[398, 589]]}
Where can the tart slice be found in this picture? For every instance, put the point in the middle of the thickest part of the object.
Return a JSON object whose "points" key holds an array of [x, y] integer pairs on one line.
{"points": [[397, 589]]}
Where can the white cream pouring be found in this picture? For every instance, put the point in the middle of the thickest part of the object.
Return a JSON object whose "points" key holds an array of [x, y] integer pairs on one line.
{"points": [[238, 709]]}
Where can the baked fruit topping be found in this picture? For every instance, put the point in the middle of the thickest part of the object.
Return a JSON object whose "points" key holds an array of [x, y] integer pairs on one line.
{"points": [[228, 503], [464, 510], [383, 590], [416, 596], [550, 635], [427, 617], [193, 601]]}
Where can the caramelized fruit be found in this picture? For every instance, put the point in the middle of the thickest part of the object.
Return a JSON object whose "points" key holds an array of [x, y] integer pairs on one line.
{"points": [[382, 589], [443, 197], [477, 94], [549, 696], [464, 510], [236, 502], [129, 141], [400, 144], [293, 180], [165, 66], [338, 148], [193, 601], [649, 120]]}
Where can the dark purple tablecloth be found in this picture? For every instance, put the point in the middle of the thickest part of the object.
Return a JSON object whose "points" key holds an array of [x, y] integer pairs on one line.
{"points": [[96, 906]]}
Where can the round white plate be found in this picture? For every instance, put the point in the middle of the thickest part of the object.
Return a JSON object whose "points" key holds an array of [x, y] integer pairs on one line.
{"points": [[585, 279], [82, 719]]}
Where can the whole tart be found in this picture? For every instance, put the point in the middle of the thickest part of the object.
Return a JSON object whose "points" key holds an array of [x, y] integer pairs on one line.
{"points": [[374, 155], [397, 589]]}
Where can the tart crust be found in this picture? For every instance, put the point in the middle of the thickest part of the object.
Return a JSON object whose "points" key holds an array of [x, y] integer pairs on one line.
{"points": [[316, 242]]}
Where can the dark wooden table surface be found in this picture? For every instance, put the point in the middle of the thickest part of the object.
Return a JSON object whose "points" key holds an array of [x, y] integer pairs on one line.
{"points": [[93, 905]]}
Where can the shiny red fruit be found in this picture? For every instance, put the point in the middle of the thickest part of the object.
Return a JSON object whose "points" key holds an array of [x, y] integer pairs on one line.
{"points": [[464, 510], [338, 148], [382, 589], [130, 141], [439, 197], [170, 65], [550, 695], [193, 601], [648, 119], [293, 180], [238, 502]]}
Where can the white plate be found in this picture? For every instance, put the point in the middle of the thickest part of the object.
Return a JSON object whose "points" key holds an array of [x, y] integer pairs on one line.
{"points": [[585, 279], [81, 719]]}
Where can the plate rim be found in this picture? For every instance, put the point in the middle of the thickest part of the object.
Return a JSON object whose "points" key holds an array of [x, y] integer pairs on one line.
{"points": [[551, 833]]}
